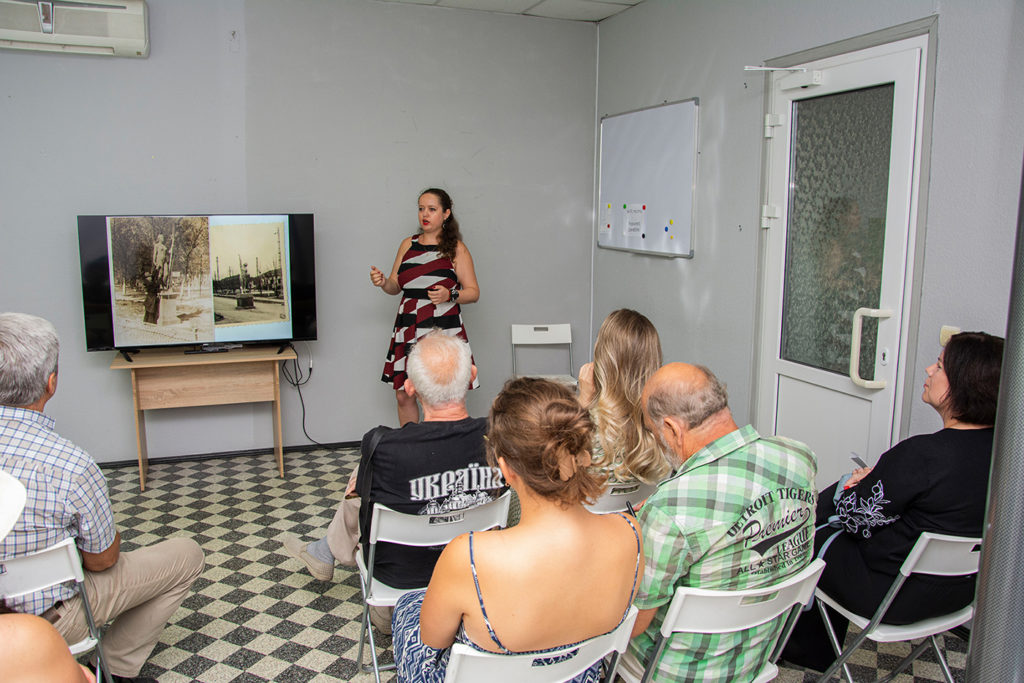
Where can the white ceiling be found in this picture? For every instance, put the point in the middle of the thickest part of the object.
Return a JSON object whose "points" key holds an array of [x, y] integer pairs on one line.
{"points": [[578, 10]]}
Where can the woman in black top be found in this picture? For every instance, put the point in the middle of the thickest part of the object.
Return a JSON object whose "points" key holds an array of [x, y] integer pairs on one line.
{"points": [[868, 521]]}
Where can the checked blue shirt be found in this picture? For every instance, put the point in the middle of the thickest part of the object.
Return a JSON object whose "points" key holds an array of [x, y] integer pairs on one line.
{"points": [[67, 497]]}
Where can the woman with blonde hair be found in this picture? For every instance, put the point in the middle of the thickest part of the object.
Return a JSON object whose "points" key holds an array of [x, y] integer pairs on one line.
{"points": [[627, 353], [559, 577]]}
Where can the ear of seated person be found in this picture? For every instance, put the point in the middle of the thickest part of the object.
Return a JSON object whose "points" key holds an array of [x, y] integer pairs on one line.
{"points": [[561, 576], [737, 514]]}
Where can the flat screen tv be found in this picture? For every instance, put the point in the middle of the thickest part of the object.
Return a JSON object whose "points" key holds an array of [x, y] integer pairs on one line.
{"points": [[206, 281]]}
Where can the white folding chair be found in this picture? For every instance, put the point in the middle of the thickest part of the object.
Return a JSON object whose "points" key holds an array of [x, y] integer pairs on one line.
{"points": [[414, 530], [698, 610], [57, 564], [469, 665], [622, 496], [544, 335], [936, 554]]}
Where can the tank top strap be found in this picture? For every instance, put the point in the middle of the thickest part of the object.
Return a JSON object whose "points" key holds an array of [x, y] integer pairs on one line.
{"points": [[636, 567], [480, 598]]}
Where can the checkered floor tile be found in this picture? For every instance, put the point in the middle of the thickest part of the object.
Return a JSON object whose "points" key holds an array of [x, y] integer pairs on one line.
{"points": [[256, 614]]}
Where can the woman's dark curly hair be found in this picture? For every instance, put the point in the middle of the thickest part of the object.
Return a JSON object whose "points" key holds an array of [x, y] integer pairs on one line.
{"points": [[973, 362], [544, 435], [450, 234]]}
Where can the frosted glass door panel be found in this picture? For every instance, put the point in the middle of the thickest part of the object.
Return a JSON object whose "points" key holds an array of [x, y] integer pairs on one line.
{"points": [[839, 168]]}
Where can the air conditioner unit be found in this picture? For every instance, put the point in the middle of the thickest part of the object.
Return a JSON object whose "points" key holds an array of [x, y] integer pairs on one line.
{"points": [[101, 27]]}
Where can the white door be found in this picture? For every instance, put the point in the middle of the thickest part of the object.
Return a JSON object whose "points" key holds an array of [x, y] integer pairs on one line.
{"points": [[841, 207]]}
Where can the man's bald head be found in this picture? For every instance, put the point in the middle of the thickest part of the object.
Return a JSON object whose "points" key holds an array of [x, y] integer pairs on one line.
{"points": [[440, 368], [688, 392]]}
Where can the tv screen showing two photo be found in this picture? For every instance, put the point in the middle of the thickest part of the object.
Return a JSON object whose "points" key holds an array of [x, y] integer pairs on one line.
{"points": [[197, 280]]}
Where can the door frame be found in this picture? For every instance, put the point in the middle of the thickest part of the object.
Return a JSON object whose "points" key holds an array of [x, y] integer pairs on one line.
{"points": [[907, 357]]}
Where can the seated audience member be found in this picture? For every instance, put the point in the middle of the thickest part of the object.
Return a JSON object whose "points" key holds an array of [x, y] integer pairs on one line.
{"points": [[425, 467], [737, 514], [626, 354], [930, 482], [67, 498], [31, 650], [561, 576]]}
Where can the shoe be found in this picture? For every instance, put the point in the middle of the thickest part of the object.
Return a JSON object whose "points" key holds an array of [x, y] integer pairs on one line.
{"points": [[320, 570], [380, 617], [129, 679]]}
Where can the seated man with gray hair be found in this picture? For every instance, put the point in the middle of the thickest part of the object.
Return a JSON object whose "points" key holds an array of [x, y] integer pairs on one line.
{"points": [[67, 497], [738, 513], [426, 467]]}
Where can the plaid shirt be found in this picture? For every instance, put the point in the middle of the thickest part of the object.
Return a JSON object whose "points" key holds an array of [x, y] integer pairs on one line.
{"points": [[738, 514], [67, 497]]}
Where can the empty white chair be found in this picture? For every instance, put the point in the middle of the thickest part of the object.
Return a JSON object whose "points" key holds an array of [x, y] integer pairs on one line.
{"points": [[622, 496], [936, 554], [559, 334], [469, 665], [57, 564], [416, 530], [698, 610]]}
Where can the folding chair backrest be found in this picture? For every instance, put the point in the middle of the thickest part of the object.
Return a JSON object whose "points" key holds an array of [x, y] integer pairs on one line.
{"points": [[943, 555], [427, 530], [696, 610], [34, 572], [542, 335], [618, 497], [469, 665]]}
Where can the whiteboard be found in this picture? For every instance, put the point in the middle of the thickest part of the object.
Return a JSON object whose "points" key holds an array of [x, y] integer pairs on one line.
{"points": [[648, 174]]}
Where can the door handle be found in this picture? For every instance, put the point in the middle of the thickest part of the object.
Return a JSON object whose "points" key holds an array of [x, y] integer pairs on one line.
{"points": [[858, 324]]}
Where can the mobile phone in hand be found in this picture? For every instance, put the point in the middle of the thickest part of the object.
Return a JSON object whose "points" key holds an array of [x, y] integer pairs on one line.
{"points": [[857, 459]]}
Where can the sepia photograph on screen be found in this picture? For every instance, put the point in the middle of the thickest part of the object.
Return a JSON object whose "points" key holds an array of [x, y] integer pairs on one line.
{"points": [[160, 279], [249, 281]]}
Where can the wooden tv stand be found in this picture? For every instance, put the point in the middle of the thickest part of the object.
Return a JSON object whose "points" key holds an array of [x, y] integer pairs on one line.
{"points": [[170, 378]]}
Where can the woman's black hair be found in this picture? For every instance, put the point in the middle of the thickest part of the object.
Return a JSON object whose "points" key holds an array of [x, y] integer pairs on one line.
{"points": [[972, 362]]}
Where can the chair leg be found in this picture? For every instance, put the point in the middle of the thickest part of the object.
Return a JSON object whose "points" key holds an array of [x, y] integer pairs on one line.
{"points": [[942, 659], [366, 633], [837, 647], [907, 661]]}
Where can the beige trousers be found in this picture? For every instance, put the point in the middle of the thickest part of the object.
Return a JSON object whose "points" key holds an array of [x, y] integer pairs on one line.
{"points": [[343, 531], [139, 593]]}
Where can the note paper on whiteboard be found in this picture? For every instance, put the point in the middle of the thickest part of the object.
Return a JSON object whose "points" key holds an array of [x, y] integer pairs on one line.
{"points": [[648, 175]]}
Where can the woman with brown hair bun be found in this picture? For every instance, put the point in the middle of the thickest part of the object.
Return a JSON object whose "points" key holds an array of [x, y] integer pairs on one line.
{"points": [[626, 354], [559, 577]]}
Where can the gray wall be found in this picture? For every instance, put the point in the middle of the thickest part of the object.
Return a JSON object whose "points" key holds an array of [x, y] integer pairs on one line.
{"points": [[346, 109], [665, 50]]}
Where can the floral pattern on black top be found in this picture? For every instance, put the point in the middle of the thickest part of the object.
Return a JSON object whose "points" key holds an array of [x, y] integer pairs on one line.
{"points": [[860, 515]]}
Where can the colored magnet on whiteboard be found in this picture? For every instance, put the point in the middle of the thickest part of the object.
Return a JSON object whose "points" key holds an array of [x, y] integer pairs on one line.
{"points": [[666, 228], [643, 235], [644, 207], [670, 221], [623, 206]]}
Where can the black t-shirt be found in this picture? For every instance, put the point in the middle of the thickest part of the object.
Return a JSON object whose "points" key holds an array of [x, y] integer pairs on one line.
{"points": [[422, 468]]}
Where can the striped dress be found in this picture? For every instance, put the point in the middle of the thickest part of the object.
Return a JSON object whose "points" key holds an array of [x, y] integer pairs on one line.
{"points": [[422, 267]]}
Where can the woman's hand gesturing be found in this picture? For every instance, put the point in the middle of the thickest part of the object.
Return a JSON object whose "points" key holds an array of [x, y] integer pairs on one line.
{"points": [[377, 277]]}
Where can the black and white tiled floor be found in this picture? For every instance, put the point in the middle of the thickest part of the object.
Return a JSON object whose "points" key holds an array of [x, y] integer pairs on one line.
{"points": [[256, 614]]}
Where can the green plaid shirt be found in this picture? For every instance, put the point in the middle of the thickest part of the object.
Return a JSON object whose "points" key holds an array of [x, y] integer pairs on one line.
{"points": [[738, 514]]}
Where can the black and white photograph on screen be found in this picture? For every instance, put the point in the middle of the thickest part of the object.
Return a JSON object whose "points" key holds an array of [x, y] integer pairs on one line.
{"points": [[249, 281], [160, 279]]}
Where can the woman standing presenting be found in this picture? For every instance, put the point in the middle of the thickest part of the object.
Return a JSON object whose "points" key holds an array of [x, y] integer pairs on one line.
{"points": [[434, 273]]}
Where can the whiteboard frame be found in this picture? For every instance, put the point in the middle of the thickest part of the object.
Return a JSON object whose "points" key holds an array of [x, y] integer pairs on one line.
{"points": [[691, 169]]}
